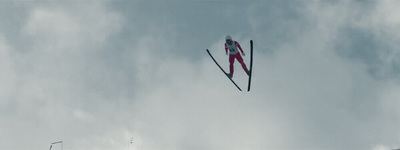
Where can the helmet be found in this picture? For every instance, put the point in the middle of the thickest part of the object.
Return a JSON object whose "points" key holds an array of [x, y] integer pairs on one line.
{"points": [[228, 39]]}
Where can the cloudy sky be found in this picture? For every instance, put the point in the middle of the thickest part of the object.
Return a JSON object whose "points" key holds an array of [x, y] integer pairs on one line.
{"points": [[95, 74]]}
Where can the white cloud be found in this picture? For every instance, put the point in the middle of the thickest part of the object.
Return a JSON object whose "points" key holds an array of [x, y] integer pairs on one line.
{"points": [[49, 89], [72, 28], [381, 147]]}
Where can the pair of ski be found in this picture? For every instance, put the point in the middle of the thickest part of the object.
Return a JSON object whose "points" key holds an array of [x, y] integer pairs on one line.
{"points": [[251, 67]]}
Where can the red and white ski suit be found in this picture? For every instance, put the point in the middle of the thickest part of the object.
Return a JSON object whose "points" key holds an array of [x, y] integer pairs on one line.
{"points": [[234, 53]]}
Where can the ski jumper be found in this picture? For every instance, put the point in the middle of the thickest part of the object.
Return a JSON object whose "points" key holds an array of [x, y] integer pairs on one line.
{"points": [[234, 53]]}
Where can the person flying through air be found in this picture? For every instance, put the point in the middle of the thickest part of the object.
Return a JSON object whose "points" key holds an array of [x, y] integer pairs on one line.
{"points": [[231, 47]]}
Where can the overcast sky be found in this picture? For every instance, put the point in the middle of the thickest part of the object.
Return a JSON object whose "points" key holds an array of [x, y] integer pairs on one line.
{"points": [[95, 74]]}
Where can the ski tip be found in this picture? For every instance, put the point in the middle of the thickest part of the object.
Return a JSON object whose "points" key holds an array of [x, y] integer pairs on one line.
{"points": [[251, 41]]}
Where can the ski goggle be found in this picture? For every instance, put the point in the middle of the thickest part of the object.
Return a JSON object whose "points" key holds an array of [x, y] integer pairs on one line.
{"points": [[228, 41]]}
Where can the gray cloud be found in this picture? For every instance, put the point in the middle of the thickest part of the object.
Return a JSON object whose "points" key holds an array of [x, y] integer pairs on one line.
{"points": [[369, 36], [95, 74]]}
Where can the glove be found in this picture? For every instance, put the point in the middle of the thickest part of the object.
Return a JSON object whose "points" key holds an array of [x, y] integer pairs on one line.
{"points": [[243, 54]]}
